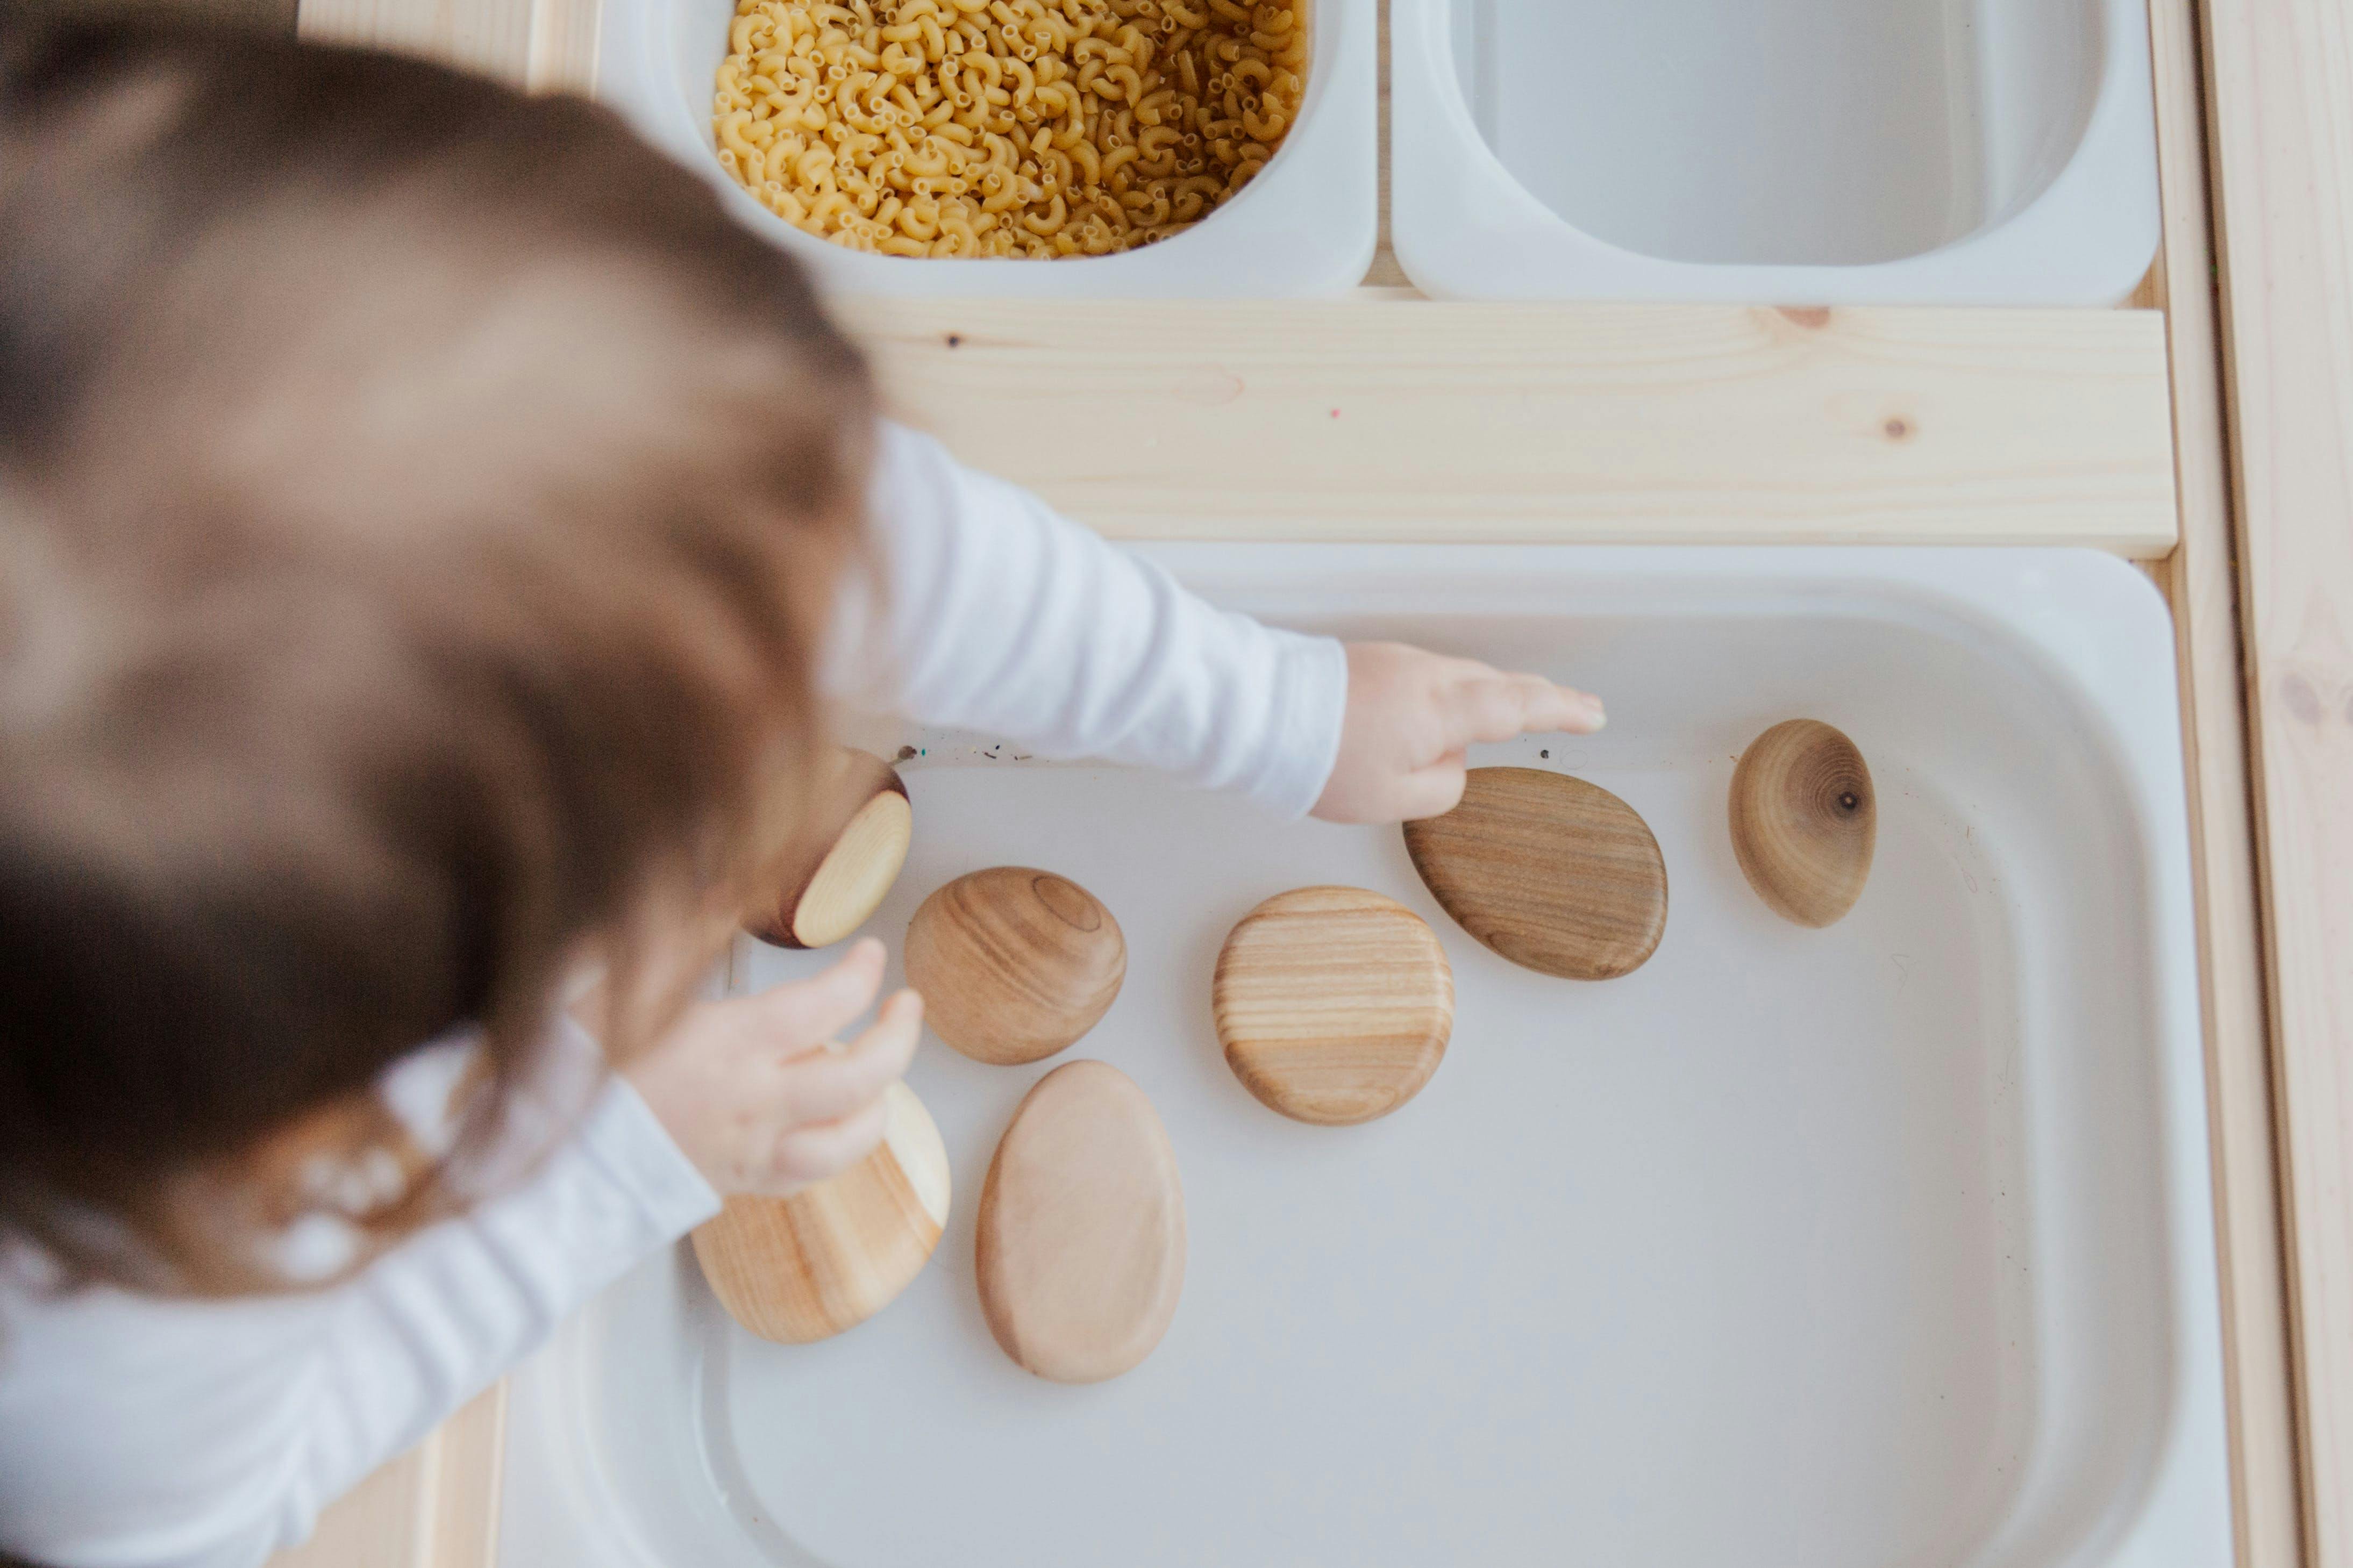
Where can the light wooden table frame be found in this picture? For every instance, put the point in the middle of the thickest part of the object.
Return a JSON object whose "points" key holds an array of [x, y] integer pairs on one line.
{"points": [[1378, 416]]}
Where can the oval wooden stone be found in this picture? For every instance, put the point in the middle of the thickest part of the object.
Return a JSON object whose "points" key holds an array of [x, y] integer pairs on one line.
{"points": [[1333, 1004], [832, 1256], [1554, 873], [1804, 821], [1014, 964], [842, 865], [1080, 1252]]}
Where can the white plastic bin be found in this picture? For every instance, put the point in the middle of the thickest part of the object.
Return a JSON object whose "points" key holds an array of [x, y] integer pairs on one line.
{"points": [[1784, 151], [1306, 224], [1881, 1246]]}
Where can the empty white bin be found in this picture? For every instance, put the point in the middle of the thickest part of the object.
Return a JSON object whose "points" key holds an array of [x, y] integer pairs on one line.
{"points": [[1307, 225], [1791, 152]]}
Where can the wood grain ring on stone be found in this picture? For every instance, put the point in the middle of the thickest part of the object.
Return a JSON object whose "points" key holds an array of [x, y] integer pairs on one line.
{"points": [[832, 1256], [1554, 873], [842, 864], [1333, 1004], [1805, 821], [1079, 1244], [1014, 964]]}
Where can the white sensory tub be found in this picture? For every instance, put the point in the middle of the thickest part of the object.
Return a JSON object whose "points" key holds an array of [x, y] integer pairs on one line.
{"points": [[1793, 152], [1305, 226], [1888, 1244]]}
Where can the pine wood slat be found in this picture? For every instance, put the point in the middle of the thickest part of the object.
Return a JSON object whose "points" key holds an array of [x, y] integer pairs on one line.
{"points": [[2202, 581], [1681, 423], [2281, 110]]}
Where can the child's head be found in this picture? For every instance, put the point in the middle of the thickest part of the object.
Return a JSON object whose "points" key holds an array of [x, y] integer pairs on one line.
{"points": [[418, 511]]}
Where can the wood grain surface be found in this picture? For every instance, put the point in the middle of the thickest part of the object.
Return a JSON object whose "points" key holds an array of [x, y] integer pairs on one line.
{"points": [[437, 1505], [2202, 581], [2281, 74], [849, 852], [1555, 874], [1804, 821], [1080, 1249], [829, 1257], [1335, 419], [1333, 1004], [493, 36], [1014, 964]]}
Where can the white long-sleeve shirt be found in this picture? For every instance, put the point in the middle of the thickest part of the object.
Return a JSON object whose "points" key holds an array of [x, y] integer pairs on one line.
{"points": [[140, 1432]]}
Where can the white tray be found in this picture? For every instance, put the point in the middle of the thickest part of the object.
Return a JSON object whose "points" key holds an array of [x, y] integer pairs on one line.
{"points": [[1788, 151], [1306, 224], [1886, 1244]]}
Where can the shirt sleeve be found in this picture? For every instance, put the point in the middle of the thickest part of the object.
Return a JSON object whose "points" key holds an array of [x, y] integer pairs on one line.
{"points": [[994, 614], [143, 1433]]}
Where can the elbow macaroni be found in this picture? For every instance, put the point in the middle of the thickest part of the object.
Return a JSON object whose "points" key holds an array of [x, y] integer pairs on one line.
{"points": [[1005, 128]]}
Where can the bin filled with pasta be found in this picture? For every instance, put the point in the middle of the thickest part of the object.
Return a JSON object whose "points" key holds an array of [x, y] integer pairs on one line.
{"points": [[1037, 129], [1172, 148]]}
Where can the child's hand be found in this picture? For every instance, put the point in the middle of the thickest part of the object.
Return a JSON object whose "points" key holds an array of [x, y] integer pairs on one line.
{"points": [[749, 1091], [1411, 714]]}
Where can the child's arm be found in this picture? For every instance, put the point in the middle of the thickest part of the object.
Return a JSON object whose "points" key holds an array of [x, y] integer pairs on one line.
{"points": [[146, 1433], [1003, 617]]}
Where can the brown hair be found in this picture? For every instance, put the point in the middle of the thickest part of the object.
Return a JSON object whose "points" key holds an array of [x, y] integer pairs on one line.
{"points": [[419, 506]]}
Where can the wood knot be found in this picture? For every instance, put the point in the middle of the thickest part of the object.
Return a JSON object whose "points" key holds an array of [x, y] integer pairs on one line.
{"points": [[1899, 429], [1068, 903], [955, 340], [1210, 386], [2300, 698], [1811, 317]]}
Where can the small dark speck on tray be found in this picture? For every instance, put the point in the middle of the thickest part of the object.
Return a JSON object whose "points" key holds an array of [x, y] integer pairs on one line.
{"points": [[906, 754], [1544, 753]]}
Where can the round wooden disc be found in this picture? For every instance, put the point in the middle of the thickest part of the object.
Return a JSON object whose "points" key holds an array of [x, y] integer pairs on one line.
{"points": [[1014, 964], [1333, 1003], [832, 1256], [1804, 821], [1081, 1238], [845, 859], [1554, 873]]}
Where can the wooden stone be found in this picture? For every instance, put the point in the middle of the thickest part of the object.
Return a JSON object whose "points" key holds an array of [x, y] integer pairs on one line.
{"points": [[1333, 1004], [1804, 821], [829, 1257], [1014, 964], [1080, 1252], [844, 862], [1554, 873]]}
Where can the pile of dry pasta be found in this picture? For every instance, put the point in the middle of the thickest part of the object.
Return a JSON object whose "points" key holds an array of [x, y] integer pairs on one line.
{"points": [[1039, 128]]}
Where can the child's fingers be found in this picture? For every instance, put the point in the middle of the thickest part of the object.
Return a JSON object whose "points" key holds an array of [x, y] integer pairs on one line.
{"points": [[1432, 791], [810, 1011], [808, 1155], [825, 1085], [1498, 707]]}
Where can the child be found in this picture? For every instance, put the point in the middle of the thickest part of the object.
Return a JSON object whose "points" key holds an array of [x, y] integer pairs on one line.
{"points": [[429, 528]]}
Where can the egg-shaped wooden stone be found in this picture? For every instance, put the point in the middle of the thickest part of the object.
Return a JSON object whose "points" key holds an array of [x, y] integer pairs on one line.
{"points": [[1554, 873], [1080, 1250], [1333, 1004], [1804, 821], [1014, 964], [832, 1256], [844, 861]]}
